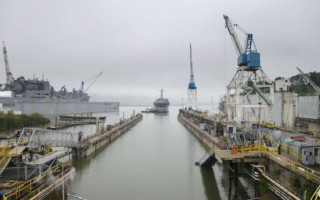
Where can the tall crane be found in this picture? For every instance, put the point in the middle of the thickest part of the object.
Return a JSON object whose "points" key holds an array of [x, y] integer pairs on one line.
{"points": [[192, 83], [192, 89], [246, 56], [95, 78], [6, 62], [249, 77], [309, 80]]}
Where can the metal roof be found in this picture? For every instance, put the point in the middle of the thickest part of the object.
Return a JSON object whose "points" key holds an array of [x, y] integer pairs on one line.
{"points": [[299, 138]]}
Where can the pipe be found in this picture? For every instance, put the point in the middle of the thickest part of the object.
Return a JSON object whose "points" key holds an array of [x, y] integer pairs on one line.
{"points": [[277, 184], [53, 184]]}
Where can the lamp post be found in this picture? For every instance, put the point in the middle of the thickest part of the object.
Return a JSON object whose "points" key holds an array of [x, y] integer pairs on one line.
{"points": [[259, 123]]}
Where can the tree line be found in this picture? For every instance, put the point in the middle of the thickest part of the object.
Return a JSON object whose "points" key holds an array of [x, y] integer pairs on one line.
{"points": [[12, 122]]}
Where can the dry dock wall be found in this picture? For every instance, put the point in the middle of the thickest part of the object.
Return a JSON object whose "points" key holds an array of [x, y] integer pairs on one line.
{"points": [[282, 174], [200, 134], [107, 137], [62, 107]]}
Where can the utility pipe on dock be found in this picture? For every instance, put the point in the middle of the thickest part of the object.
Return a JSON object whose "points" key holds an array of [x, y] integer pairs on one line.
{"points": [[275, 183]]}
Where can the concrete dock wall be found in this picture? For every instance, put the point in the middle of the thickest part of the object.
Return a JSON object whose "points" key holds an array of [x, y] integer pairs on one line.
{"points": [[204, 136], [96, 142]]}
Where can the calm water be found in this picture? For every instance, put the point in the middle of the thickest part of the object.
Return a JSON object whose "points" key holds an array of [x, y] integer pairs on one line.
{"points": [[153, 160]]}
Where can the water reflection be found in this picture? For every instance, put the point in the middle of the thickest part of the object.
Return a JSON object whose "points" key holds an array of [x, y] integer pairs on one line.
{"points": [[209, 183]]}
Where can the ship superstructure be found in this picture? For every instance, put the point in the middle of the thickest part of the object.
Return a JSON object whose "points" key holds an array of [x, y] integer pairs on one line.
{"points": [[161, 104], [34, 90], [37, 96]]}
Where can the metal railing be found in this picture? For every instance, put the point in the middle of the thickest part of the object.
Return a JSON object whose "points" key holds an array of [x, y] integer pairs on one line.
{"points": [[48, 150], [292, 151], [255, 148], [295, 167], [315, 194], [225, 154], [26, 187]]}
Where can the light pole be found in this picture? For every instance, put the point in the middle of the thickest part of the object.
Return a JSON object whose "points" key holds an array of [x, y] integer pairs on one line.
{"points": [[259, 123]]}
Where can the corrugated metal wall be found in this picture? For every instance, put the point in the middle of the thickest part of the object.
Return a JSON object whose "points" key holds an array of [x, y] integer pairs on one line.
{"points": [[308, 107]]}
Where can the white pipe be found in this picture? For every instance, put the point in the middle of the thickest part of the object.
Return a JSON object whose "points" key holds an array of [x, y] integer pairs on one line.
{"points": [[278, 185]]}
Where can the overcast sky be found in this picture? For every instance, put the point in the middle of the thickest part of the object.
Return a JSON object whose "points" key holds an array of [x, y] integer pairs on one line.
{"points": [[143, 45]]}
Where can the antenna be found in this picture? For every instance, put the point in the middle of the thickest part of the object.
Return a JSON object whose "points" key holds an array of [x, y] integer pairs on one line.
{"points": [[162, 92]]}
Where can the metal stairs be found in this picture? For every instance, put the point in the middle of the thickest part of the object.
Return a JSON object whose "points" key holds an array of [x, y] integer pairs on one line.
{"points": [[4, 159]]}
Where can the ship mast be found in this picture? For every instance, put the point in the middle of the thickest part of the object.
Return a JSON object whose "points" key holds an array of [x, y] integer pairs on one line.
{"points": [[6, 62]]}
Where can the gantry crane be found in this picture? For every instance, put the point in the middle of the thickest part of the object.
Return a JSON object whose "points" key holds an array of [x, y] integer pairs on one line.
{"points": [[95, 78], [309, 80], [249, 77], [192, 89]]}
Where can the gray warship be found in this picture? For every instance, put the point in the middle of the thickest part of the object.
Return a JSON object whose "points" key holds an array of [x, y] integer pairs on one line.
{"points": [[160, 105], [33, 96]]}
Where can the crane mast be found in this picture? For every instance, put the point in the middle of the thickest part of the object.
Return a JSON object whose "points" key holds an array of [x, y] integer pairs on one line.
{"points": [[309, 80], [6, 62], [192, 89], [192, 83], [191, 67]]}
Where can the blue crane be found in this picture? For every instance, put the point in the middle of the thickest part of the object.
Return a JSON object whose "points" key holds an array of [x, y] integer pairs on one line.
{"points": [[246, 56], [192, 84]]}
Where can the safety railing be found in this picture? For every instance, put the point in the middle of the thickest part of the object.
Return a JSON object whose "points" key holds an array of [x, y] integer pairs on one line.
{"points": [[295, 167], [254, 148], [315, 194], [48, 150], [26, 187], [292, 151], [225, 154]]}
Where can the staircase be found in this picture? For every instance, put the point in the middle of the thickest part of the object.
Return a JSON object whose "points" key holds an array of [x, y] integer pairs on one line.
{"points": [[4, 158]]}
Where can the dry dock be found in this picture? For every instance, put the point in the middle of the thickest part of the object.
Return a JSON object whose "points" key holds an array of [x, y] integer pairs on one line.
{"points": [[243, 160], [98, 140]]}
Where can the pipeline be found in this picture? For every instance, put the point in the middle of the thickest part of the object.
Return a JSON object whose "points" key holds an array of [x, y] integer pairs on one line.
{"points": [[275, 183], [54, 184]]}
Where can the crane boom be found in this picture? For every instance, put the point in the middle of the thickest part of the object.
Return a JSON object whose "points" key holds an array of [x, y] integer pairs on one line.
{"points": [[95, 77], [233, 35], [309, 80], [6, 62]]}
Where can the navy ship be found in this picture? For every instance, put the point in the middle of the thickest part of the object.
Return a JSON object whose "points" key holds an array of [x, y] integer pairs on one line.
{"points": [[28, 96], [160, 105]]}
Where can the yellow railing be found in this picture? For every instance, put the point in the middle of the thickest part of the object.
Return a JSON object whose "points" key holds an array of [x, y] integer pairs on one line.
{"points": [[292, 152], [315, 195], [295, 167], [4, 157], [48, 149], [225, 154], [260, 147], [21, 190]]}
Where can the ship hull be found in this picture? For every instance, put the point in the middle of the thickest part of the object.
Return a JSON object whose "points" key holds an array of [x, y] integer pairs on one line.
{"points": [[61, 107]]}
